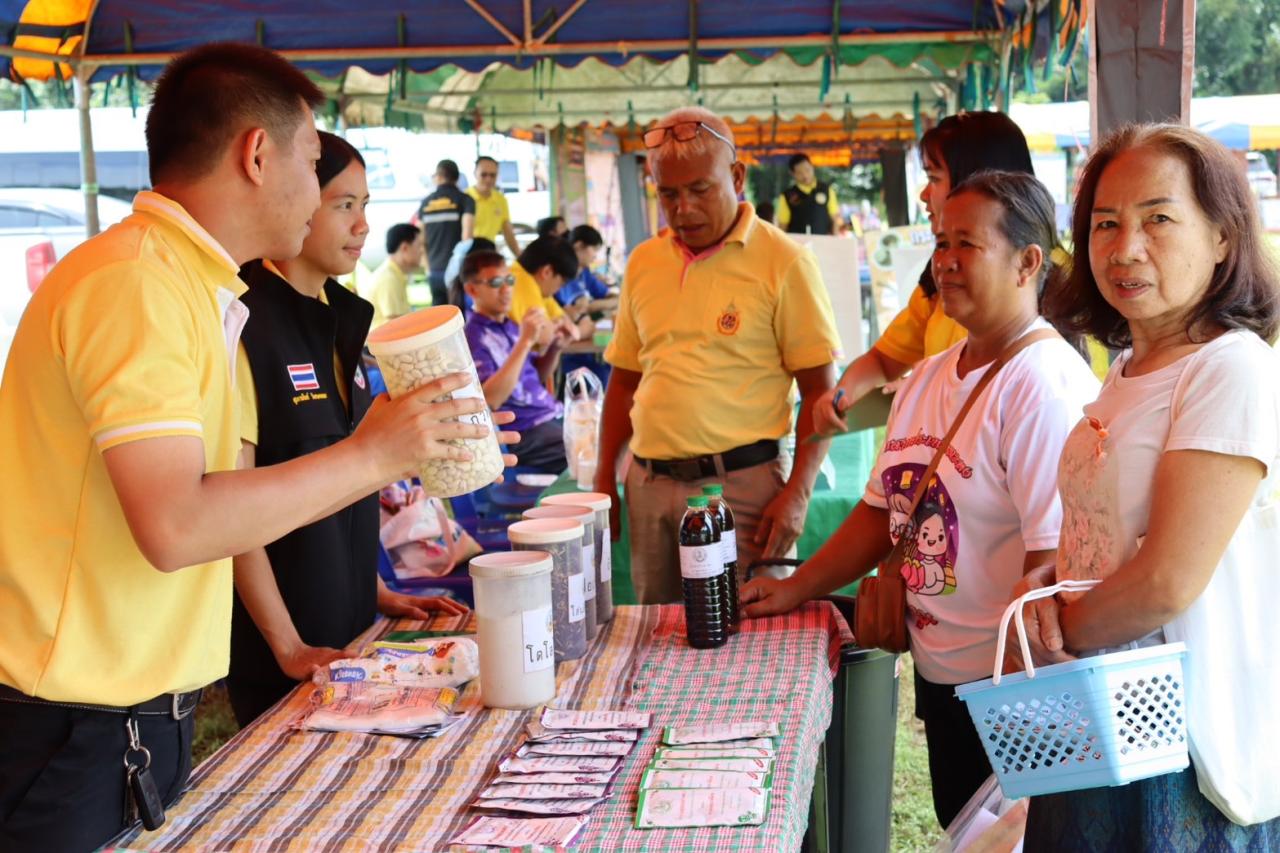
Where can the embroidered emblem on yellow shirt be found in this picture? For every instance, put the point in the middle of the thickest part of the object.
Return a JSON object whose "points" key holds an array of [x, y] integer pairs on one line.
{"points": [[728, 321]]}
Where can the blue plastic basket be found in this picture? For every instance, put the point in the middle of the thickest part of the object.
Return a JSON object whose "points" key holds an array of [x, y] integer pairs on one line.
{"points": [[1088, 723]]}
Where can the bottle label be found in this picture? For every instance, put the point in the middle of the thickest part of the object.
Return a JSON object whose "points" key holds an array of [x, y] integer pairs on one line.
{"points": [[701, 561], [606, 557], [589, 571], [538, 637], [729, 542], [577, 598]]}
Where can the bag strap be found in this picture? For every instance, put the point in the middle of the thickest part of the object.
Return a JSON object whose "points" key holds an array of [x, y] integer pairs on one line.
{"points": [[1004, 358]]}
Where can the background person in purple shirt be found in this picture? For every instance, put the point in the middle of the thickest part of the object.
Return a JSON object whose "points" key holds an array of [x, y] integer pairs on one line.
{"points": [[513, 376]]}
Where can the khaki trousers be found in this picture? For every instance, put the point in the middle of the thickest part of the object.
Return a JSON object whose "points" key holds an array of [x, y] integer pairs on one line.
{"points": [[655, 505]]}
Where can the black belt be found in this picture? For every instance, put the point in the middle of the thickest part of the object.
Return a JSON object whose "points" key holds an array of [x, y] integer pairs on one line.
{"points": [[702, 467], [175, 705]]}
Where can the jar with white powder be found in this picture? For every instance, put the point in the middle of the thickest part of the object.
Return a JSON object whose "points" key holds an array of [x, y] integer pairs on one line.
{"points": [[514, 628]]}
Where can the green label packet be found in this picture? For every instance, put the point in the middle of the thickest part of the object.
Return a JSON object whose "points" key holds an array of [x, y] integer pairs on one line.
{"points": [[685, 808], [699, 779], [410, 636], [706, 735]]}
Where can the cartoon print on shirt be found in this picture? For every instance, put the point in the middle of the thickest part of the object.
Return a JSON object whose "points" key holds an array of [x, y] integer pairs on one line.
{"points": [[929, 561]]}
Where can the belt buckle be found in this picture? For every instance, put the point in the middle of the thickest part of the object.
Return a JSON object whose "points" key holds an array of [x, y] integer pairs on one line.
{"points": [[687, 469], [177, 712]]}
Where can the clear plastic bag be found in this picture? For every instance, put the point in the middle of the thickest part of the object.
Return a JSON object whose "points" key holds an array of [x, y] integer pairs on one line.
{"points": [[988, 823], [583, 402]]}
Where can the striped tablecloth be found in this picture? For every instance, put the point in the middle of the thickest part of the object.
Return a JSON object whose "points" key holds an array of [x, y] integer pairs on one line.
{"points": [[273, 788]]}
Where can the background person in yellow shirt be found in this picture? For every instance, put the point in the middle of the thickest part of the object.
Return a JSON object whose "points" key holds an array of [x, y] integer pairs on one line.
{"points": [[119, 437], [808, 206], [957, 147], [718, 318], [493, 214], [388, 288], [542, 269]]}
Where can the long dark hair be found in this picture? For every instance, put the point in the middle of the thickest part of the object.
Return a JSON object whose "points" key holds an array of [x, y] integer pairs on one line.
{"points": [[1028, 219], [1244, 290], [967, 143]]}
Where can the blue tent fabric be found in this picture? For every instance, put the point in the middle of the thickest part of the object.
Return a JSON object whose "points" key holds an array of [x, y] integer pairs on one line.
{"points": [[157, 26]]}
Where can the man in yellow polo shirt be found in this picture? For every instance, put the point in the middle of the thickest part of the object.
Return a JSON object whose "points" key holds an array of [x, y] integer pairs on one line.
{"points": [[119, 439], [542, 269], [717, 319], [493, 214]]}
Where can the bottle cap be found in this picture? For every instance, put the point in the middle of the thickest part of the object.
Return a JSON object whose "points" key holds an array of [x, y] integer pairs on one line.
{"points": [[713, 490], [698, 501]]}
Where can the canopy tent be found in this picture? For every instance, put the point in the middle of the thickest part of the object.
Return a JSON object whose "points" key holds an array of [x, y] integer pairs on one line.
{"points": [[1242, 123]]}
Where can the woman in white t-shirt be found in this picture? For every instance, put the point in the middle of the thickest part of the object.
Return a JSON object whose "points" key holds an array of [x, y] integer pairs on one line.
{"points": [[1182, 441], [991, 511]]}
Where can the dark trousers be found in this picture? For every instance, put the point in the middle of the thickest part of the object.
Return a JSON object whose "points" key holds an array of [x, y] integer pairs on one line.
{"points": [[957, 762], [62, 775], [251, 699], [439, 289], [542, 448]]}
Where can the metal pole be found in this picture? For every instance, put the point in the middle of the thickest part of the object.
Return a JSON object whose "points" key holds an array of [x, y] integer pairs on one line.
{"points": [[88, 166]]}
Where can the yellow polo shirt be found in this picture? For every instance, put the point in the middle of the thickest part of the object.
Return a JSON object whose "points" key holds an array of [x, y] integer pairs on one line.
{"points": [[388, 290], [130, 337], [717, 338], [920, 330], [491, 214], [528, 295]]}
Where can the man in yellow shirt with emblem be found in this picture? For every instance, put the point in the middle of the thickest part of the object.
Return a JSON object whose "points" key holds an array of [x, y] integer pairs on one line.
{"points": [[119, 439], [493, 214], [719, 317]]}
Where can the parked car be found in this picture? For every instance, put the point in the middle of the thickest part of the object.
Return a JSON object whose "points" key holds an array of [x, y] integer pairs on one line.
{"points": [[1261, 179], [37, 227]]}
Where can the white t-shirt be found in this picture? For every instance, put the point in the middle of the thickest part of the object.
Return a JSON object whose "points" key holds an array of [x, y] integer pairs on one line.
{"points": [[1224, 397], [994, 498]]}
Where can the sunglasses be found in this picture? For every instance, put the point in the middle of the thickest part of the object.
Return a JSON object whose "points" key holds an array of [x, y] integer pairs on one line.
{"points": [[497, 281], [683, 131]]}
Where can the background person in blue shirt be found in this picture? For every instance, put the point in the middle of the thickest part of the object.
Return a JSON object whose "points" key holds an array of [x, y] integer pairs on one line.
{"points": [[513, 377], [587, 244]]}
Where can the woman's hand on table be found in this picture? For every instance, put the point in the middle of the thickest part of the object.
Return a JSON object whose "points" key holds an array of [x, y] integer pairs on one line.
{"points": [[403, 606], [765, 596], [1044, 632], [299, 662]]}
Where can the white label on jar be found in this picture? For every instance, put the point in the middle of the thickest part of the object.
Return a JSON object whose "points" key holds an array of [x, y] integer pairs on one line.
{"points": [[701, 561], [539, 645], [472, 390], [729, 542], [606, 557], [589, 570], [577, 598]]}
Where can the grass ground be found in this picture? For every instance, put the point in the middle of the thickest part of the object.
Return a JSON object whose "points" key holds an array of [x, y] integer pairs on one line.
{"points": [[914, 827]]}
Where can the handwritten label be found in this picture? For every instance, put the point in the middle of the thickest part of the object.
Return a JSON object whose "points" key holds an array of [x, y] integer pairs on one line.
{"points": [[537, 632]]}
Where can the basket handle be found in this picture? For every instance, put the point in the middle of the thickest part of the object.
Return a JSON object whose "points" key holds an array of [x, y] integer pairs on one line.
{"points": [[1016, 607]]}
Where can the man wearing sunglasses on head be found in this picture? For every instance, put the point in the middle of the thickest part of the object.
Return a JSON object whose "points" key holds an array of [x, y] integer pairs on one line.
{"points": [[718, 317], [513, 376]]}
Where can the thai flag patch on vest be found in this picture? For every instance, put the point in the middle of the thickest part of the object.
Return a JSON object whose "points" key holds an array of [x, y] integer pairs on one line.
{"points": [[303, 377]]}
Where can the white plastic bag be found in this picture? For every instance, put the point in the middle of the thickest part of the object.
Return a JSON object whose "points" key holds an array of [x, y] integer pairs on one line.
{"points": [[420, 538], [1233, 673], [989, 823], [583, 402]]}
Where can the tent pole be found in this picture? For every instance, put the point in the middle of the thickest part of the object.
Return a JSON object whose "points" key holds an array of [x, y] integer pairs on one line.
{"points": [[88, 166]]}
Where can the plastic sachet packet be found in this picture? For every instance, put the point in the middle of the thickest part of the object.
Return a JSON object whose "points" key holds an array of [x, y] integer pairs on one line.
{"points": [[440, 662]]}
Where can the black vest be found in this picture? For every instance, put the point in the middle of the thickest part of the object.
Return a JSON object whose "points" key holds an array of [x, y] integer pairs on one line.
{"points": [[809, 212], [327, 571]]}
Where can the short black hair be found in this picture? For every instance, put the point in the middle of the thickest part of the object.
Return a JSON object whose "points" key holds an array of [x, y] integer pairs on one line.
{"points": [[586, 235], [207, 97], [797, 159], [968, 143], [398, 235], [551, 251], [481, 244], [336, 154], [477, 261], [448, 170], [546, 226], [485, 158]]}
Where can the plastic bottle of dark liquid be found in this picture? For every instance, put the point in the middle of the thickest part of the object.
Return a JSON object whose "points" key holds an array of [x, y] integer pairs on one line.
{"points": [[729, 546], [702, 574]]}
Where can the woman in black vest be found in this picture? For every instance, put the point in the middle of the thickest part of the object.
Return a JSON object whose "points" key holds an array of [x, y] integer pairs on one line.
{"points": [[304, 597]]}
